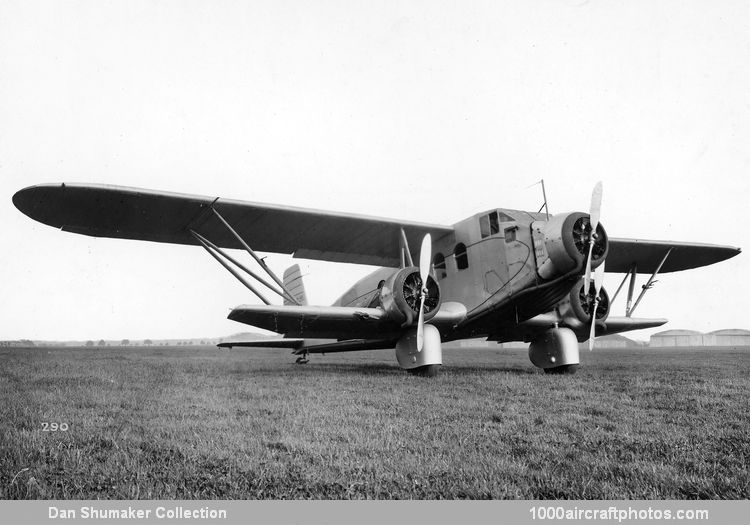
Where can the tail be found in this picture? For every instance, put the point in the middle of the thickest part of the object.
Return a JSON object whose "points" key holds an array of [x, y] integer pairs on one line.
{"points": [[293, 283]]}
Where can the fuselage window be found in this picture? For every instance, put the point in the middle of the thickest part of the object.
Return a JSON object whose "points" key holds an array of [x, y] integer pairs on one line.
{"points": [[510, 234], [462, 259], [438, 263]]}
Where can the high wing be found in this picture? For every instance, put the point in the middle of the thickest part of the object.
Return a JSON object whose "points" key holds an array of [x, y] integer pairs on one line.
{"points": [[646, 255], [131, 213]]}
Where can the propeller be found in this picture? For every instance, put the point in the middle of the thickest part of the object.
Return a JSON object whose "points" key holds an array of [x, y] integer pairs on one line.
{"points": [[425, 256], [598, 281], [595, 213]]}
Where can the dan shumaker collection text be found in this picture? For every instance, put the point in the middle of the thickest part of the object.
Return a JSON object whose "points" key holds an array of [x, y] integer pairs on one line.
{"points": [[168, 513]]}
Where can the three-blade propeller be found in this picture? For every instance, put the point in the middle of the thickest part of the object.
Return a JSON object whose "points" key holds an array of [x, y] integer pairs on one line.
{"points": [[425, 256]]}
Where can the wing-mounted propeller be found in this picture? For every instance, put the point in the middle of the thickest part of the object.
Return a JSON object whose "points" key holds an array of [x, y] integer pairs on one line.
{"points": [[425, 256], [598, 282], [412, 297]]}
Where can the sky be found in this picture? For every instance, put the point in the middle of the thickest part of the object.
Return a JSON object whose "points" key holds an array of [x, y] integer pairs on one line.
{"points": [[418, 110]]}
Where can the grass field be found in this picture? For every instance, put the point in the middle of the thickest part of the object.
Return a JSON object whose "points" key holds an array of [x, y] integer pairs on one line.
{"points": [[187, 423]]}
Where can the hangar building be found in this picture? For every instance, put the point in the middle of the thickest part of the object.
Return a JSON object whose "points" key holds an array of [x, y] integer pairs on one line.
{"points": [[670, 338], [686, 338], [730, 337]]}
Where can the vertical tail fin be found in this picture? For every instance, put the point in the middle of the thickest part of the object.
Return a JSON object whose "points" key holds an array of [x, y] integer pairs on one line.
{"points": [[293, 283]]}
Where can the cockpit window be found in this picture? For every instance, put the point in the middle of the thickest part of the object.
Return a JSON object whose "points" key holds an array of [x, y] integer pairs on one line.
{"points": [[489, 224], [494, 223]]}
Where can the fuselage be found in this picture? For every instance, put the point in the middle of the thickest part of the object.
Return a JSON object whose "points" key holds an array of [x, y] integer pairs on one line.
{"points": [[488, 256]]}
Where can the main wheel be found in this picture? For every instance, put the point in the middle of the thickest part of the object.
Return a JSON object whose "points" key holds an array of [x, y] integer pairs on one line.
{"points": [[424, 371]]}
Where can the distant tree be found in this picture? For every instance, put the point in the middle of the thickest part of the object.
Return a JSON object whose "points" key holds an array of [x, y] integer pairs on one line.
{"points": [[102, 342], [125, 342], [148, 342], [89, 343]]}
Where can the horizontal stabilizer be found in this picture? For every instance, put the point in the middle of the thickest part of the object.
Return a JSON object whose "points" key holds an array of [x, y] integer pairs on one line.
{"points": [[646, 255], [350, 345], [265, 343]]}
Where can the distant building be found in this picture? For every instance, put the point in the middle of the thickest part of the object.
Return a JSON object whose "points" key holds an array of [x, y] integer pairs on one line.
{"points": [[615, 341], [671, 338], [729, 337], [687, 338]]}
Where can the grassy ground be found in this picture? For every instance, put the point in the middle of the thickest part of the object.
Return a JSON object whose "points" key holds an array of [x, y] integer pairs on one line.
{"points": [[202, 423]]}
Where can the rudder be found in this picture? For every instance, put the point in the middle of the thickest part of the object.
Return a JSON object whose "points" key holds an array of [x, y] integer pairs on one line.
{"points": [[293, 283]]}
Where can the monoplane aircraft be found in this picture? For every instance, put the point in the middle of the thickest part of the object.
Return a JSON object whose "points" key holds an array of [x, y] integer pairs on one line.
{"points": [[504, 275]]}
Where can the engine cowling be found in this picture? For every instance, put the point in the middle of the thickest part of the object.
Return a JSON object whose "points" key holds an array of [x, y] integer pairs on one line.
{"points": [[576, 310], [400, 296], [562, 244]]}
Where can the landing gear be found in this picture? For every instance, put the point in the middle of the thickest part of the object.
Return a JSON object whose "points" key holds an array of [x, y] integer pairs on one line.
{"points": [[426, 362], [556, 351], [424, 371], [302, 360], [562, 370]]}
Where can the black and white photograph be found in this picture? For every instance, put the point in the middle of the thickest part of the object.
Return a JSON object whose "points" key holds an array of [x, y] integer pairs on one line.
{"points": [[357, 250]]}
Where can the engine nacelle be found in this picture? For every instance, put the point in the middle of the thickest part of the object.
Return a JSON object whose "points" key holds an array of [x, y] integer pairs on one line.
{"points": [[401, 293], [562, 244], [577, 308]]}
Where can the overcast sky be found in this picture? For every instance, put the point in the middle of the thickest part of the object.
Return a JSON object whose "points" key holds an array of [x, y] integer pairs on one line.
{"points": [[426, 111]]}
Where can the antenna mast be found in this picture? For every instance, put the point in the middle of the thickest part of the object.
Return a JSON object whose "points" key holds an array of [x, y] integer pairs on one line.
{"points": [[544, 194]]}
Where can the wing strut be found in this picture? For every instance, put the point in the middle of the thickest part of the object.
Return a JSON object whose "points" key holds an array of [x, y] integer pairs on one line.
{"points": [[612, 300], [213, 250], [207, 245], [260, 261], [646, 287], [405, 252], [632, 271]]}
